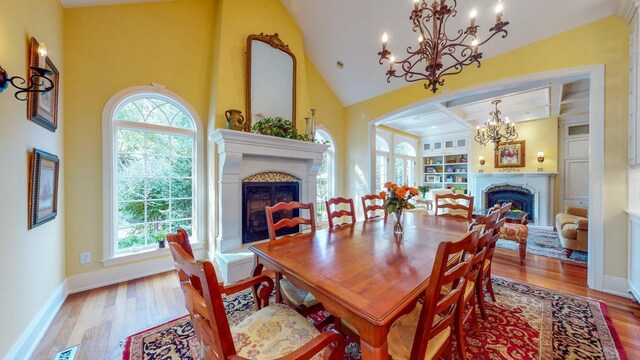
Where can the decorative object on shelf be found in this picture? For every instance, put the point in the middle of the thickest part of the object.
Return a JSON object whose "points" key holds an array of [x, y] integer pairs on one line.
{"points": [[396, 201], [449, 168], [279, 127], [463, 159], [438, 55], [235, 120], [313, 123], [38, 81], [43, 188], [491, 129], [540, 160], [459, 189], [481, 159], [510, 154], [271, 79]]}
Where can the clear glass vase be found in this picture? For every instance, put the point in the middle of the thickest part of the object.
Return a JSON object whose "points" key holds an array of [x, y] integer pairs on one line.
{"points": [[397, 225]]}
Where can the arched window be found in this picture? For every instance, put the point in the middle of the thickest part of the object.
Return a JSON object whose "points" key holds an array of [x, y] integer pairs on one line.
{"points": [[326, 175], [382, 159], [405, 164], [152, 162]]}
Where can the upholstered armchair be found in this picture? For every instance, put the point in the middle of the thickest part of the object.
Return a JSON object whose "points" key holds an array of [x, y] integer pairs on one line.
{"points": [[572, 227]]}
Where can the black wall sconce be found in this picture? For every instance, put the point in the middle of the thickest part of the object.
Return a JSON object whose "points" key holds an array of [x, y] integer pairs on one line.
{"points": [[38, 82]]}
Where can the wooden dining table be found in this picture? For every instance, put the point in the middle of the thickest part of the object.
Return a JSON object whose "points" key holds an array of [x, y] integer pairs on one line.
{"points": [[362, 272]]}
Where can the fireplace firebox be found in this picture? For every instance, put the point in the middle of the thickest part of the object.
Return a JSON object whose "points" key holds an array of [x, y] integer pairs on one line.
{"points": [[519, 197], [257, 195]]}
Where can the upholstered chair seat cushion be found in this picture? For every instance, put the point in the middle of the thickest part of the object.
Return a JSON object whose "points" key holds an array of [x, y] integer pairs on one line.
{"points": [[515, 232], [297, 296], [272, 332], [402, 333], [563, 219]]}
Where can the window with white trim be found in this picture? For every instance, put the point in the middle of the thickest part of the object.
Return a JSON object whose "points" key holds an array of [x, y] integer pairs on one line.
{"points": [[154, 171], [405, 164], [326, 174], [382, 159]]}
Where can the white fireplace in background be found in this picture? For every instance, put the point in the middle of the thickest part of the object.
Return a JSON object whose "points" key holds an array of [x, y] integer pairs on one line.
{"points": [[541, 184], [241, 155]]}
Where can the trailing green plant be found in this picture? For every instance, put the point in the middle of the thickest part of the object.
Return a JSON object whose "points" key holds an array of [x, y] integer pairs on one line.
{"points": [[279, 127]]}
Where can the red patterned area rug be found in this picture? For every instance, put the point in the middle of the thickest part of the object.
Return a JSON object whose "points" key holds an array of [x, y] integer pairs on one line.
{"points": [[526, 322]]}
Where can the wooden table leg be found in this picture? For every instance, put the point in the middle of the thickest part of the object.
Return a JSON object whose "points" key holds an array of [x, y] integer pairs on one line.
{"points": [[370, 352]]}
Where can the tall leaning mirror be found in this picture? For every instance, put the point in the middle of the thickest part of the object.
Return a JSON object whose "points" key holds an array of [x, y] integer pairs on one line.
{"points": [[271, 79]]}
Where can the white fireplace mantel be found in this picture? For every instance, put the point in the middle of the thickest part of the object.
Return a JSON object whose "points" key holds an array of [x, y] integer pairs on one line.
{"points": [[243, 154], [541, 184]]}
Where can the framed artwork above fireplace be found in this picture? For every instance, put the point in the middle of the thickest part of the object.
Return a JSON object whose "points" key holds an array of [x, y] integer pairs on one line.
{"points": [[510, 154]]}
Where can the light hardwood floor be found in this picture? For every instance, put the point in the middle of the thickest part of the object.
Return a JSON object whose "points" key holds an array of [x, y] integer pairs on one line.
{"points": [[99, 319]]}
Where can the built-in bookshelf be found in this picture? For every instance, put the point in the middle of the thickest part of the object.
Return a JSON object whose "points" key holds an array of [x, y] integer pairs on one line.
{"points": [[445, 172]]}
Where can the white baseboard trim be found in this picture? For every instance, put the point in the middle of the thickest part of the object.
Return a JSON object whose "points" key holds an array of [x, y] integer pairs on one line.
{"points": [[31, 336], [634, 291], [116, 274], [616, 286]]}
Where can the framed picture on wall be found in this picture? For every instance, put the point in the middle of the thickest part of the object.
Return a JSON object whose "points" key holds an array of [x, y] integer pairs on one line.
{"points": [[42, 108], [43, 188], [510, 154]]}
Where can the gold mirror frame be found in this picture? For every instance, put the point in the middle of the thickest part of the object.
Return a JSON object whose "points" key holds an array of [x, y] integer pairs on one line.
{"points": [[275, 42]]}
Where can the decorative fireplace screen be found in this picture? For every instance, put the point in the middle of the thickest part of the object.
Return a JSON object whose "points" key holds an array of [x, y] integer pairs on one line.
{"points": [[519, 197], [257, 195]]}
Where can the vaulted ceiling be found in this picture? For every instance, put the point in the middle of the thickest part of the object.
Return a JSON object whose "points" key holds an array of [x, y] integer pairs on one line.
{"points": [[350, 32]]}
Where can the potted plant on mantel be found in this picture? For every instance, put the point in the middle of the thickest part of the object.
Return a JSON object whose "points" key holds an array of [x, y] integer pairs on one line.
{"points": [[279, 127]]}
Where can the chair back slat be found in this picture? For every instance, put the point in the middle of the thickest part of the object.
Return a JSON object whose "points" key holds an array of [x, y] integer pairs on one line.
{"points": [[373, 206], [340, 213], [455, 208], [213, 331], [449, 271], [182, 239], [289, 222], [504, 208]]}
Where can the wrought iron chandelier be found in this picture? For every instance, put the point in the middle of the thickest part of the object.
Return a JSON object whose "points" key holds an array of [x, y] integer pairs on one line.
{"points": [[491, 130], [438, 55]]}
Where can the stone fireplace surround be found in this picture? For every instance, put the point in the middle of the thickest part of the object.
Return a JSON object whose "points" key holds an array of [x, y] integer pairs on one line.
{"points": [[541, 184], [240, 156]]}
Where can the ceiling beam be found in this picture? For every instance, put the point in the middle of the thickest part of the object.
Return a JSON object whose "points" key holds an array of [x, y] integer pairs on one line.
{"points": [[453, 115], [555, 99], [486, 97]]}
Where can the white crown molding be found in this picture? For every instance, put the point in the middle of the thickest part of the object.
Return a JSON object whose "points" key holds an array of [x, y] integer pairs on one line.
{"points": [[25, 345], [626, 9]]}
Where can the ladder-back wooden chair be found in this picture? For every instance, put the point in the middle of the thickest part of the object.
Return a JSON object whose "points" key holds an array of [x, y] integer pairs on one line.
{"points": [[340, 213], [454, 205], [374, 206], [466, 310], [486, 269], [303, 301], [425, 333], [182, 239], [216, 336]]}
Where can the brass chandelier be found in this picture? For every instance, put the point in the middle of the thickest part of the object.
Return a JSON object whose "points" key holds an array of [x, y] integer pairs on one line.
{"points": [[491, 130], [438, 55]]}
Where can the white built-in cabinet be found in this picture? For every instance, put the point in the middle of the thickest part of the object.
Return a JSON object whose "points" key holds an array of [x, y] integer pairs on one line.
{"points": [[444, 162]]}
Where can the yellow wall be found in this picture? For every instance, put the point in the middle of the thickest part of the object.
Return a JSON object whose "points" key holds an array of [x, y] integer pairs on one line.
{"points": [[111, 48], [196, 48], [539, 135], [32, 261], [601, 42]]}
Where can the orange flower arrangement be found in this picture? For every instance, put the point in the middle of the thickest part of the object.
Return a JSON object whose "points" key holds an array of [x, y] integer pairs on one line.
{"points": [[397, 198]]}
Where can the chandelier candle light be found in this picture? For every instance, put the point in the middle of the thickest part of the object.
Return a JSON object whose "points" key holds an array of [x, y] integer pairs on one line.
{"points": [[491, 130], [437, 54]]}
